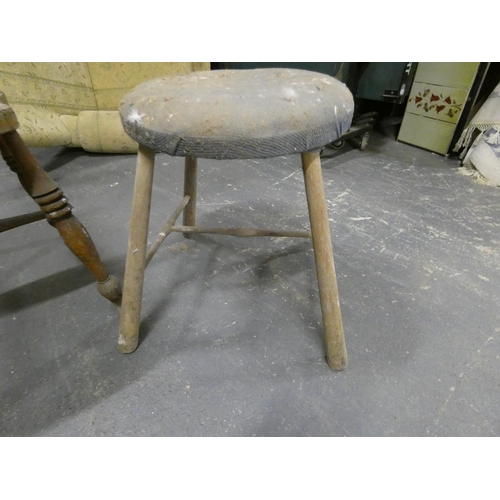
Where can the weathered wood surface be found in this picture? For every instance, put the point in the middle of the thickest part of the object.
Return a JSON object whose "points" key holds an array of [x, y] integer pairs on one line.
{"points": [[325, 270], [128, 337]]}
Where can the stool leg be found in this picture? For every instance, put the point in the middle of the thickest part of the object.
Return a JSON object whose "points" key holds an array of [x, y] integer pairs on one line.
{"points": [[323, 253], [190, 190], [136, 257]]}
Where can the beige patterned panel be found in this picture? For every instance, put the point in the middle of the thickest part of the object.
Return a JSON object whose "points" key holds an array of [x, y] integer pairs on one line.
{"points": [[41, 127], [111, 81], [64, 88], [40, 92], [45, 96]]}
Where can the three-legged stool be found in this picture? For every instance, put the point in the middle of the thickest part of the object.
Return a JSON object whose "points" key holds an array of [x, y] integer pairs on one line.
{"points": [[224, 115]]}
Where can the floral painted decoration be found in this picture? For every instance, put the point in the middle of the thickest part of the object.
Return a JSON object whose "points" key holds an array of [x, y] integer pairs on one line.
{"points": [[432, 102]]}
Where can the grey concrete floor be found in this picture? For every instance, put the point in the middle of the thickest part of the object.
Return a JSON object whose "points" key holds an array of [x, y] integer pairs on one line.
{"points": [[231, 337]]}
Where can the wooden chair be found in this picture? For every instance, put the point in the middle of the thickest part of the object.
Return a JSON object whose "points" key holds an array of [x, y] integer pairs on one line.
{"points": [[227, 115], [53, 204]]}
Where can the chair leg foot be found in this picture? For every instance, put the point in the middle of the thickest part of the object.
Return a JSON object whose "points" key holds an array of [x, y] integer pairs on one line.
{"points": [[77, 239], [111, 289], [336, 353], [128, 338]]}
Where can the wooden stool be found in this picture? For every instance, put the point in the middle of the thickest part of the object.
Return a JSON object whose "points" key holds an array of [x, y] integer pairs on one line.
{"points": [[227, 115], [53, 204]]}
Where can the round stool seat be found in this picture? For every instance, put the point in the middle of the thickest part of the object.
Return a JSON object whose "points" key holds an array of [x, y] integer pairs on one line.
{"points": [[229, 114]]}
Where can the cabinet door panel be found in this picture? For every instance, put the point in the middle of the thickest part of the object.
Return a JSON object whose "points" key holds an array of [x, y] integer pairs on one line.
{"points": [[459, 75], [434, 135]]}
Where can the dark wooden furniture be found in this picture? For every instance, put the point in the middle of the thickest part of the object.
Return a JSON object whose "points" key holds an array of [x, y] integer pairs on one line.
{"points": [[53, 204], [225, 115]]}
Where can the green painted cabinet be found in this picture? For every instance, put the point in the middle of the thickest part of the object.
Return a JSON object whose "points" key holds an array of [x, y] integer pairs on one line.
{"points": [[338, 70]]}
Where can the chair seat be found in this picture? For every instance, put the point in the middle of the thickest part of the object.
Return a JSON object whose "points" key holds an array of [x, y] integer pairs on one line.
{"points": [[229, 114]]}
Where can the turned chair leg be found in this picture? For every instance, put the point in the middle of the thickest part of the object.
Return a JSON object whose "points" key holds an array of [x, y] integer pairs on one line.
{"points": [[190, 169], [78, 240], [51, 200], [325, 270], [128, 338]]}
